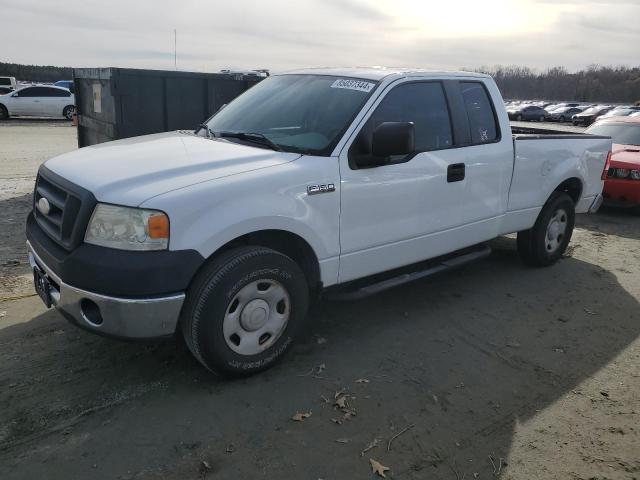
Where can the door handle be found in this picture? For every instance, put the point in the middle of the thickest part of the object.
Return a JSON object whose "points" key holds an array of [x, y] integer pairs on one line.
{"points": [[455, 172]]}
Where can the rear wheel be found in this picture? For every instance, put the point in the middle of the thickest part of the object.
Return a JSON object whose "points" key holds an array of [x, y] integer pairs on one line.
{"points": [[563, 119], [68, 112], [541, 119], [244, 310], [545, 243], [4, 113], [519, 118]]}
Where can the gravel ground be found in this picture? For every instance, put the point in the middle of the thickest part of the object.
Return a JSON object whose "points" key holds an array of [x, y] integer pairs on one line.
{"points": [[492, 371]]}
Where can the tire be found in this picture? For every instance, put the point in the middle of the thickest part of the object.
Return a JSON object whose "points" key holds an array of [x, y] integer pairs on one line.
{"points": [[519, 118], [545, 243], [243, 292], [563, 119], [541, 119], [68, 112], [4, 113]]}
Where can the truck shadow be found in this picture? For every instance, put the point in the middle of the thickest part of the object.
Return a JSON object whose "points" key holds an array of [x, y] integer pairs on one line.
{"points": [[463, 357]]}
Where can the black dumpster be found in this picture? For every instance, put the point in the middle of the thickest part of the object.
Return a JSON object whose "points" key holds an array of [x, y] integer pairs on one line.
{"points": [[115, 103]]}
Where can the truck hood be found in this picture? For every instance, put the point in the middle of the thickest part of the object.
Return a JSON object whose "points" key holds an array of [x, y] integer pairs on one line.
{"points": [[130, 171]]}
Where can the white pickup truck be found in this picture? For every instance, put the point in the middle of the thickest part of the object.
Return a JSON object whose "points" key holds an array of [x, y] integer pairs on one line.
{"points": [[346, 181]]}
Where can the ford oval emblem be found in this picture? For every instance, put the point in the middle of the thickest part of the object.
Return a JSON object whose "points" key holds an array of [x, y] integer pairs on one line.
{"points": [[43, 206]]}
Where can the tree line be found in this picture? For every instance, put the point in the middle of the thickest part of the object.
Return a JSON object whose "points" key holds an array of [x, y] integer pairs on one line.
{"points": [[594, 84], [35, 73]]}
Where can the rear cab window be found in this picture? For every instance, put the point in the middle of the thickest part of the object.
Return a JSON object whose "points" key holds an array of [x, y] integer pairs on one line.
{"points": [[483, 123]]}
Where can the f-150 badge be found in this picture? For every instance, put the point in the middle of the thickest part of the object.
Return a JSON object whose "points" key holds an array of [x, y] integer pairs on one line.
{"points": [[315, 189]]}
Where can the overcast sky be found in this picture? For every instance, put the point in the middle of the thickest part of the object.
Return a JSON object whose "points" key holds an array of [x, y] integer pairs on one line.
{"points": [[284, 34]]}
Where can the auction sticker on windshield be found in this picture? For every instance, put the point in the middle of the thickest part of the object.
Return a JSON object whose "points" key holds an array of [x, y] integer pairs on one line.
{"points": [[359, 85]]}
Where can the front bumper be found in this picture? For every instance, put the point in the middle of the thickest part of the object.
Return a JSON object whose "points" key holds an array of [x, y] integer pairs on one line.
{"points": [[120, 317]]}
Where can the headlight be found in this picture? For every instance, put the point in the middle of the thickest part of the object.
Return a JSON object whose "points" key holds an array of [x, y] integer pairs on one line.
{"points": [[622, 172], [128, 228], [635, 174]]}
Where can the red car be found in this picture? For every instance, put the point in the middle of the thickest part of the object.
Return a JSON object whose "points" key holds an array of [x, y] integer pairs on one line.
{"points": [[622, 184]]}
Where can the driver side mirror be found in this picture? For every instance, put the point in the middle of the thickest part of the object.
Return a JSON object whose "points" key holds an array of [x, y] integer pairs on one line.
{"points": [[393, 138], [388, 139]]}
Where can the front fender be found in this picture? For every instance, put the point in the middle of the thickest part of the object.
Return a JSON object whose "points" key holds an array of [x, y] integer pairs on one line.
{"points": [[208, 215]]}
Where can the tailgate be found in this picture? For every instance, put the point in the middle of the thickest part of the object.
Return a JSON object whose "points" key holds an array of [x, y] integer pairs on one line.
{"points": [[543, 162]]}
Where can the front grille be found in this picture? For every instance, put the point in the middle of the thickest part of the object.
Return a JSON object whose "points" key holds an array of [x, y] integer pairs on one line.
{"points": [[70, 207]]}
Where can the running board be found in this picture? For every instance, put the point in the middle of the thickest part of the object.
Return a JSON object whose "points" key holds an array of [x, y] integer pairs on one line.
{"points": [[447, 263]]}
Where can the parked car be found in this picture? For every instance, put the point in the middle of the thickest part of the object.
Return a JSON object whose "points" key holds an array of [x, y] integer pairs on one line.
{"points": [[322, 181], [637, 114], [555, 106], [590, 115], [38, 101], [68, 84], [527, 112], [620, 112], [7, 85], [622, 184], [563, 114]]}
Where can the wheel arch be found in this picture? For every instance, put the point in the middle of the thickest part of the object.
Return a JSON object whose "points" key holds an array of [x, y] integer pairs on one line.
{"points": [[573, 187], [286, 242]]}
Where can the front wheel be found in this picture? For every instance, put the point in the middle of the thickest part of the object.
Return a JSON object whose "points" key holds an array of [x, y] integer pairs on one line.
{"points": [[244, 310], [4, 113], [519, 118], [545, 243]]}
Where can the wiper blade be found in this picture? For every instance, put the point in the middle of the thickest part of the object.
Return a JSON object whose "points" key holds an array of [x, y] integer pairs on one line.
{"points": [[251, 137]]}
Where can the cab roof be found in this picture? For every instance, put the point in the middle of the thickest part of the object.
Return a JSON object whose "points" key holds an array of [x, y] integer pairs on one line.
{"points": [[378, 73]]}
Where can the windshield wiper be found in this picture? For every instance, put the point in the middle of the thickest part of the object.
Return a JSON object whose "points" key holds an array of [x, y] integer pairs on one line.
{"points": [[251, 137]]}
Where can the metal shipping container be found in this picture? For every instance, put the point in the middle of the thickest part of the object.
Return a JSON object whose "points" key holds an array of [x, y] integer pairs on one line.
{"points": [[115, 103]]}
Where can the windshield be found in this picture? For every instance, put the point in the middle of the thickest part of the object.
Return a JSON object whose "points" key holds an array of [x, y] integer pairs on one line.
{"points": [[298, 113], [622, 134]]}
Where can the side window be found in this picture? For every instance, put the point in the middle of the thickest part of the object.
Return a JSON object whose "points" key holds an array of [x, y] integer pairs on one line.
{"points": [[28, 92], [35, 92], [52, 92], [422, 103], [482, 120]]}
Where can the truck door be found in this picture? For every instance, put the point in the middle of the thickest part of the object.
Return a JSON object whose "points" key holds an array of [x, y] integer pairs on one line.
{"points": [[408, 210]]}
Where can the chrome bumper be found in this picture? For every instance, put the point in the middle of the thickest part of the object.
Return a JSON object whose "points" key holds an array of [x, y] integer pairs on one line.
{"points": [[134, 318]]}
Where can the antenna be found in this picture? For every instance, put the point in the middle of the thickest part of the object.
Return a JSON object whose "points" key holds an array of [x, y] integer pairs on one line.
{"points": [[175, 49]]}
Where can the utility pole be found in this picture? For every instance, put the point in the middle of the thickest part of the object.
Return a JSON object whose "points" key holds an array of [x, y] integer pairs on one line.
{"points": [[175, 49]]}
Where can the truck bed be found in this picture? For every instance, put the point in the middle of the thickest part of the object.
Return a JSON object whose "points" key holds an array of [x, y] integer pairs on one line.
{"points": [[543, 156]]}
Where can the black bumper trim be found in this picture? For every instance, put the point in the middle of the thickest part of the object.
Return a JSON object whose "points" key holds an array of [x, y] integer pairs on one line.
{"points": [[109, 271]]}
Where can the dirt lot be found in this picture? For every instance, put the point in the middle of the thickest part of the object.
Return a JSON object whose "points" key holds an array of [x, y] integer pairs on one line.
{"points": [[493, 371]]}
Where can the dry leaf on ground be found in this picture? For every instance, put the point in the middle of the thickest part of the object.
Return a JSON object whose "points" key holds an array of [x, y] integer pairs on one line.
{"points": [[300, 416], [378, 468]]}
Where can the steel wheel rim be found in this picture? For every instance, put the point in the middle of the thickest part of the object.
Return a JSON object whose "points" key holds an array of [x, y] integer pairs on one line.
{"points": [[556, 230], [256, 317]]}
